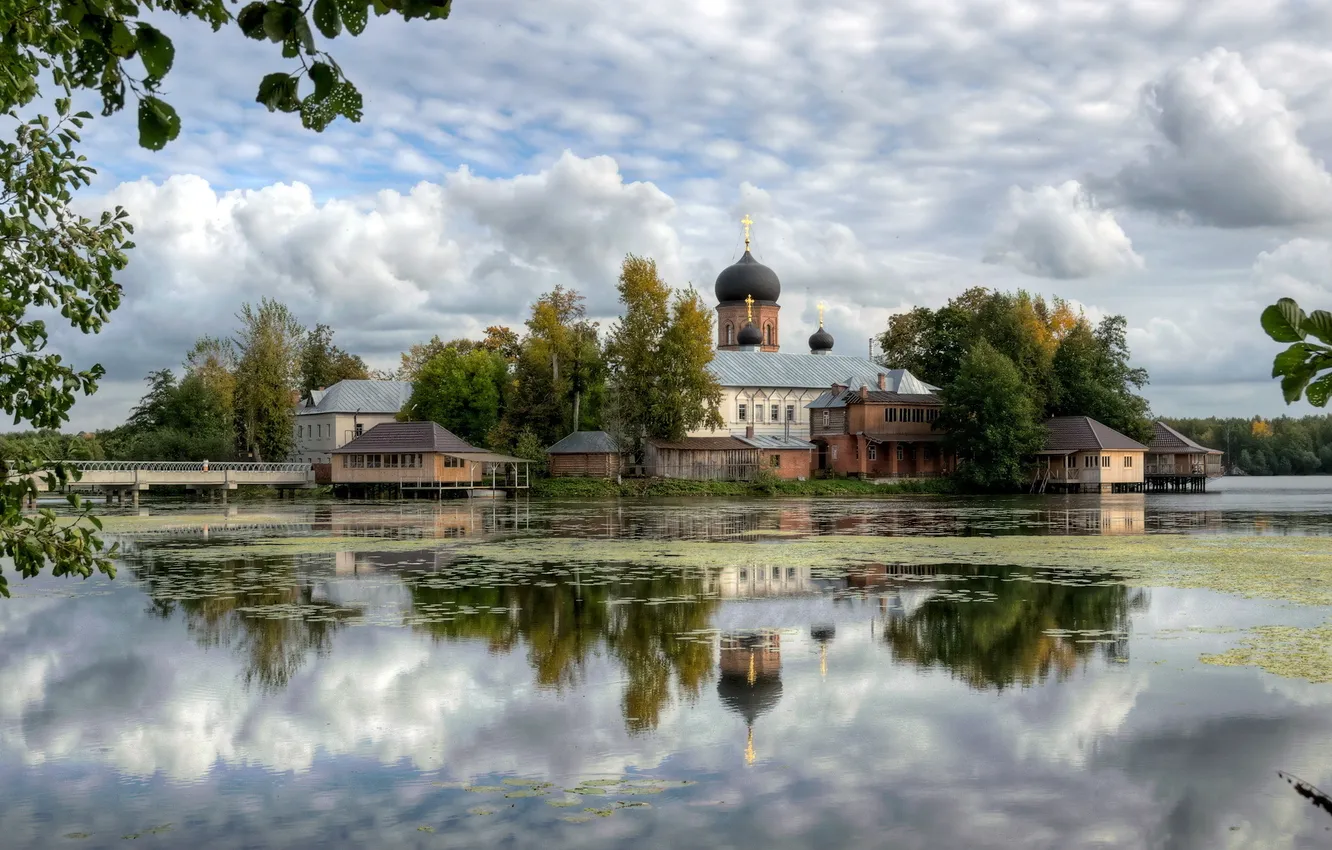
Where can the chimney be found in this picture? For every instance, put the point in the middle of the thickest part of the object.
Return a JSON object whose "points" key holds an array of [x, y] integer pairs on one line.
{"points": [[838, 389], [749, 432], [864, 391], [883, 382]]}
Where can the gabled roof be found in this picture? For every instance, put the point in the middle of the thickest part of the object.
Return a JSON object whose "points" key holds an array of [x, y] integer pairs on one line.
{"points": [[773, 442], [1167, 439], [808, 371], [704, 444], [359, 397], [391, 437], [1065, 434], [585, 443]]}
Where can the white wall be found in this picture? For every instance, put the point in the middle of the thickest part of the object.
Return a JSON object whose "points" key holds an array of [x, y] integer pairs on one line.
{"points": [[317, 434], [752, 397]]}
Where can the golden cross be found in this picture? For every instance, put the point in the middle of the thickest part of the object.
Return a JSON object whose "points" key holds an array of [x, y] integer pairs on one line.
{"points": [[746, 221], [749, 746], [822, 307], [749, 307]]}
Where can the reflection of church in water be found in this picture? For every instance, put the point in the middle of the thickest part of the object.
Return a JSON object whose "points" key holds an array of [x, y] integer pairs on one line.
{"points": [[751, 674]]}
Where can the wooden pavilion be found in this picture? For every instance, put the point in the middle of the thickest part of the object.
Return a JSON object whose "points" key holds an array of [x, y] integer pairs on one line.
{"points": [[1174, 462], [422, 459]]}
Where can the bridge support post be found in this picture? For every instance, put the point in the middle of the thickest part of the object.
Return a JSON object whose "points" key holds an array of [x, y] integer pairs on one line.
{"points": [[224, 494]]}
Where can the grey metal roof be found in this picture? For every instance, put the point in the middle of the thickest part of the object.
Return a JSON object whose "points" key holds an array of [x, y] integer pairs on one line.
{"points": [[422, 437], [359, 397], [585, 443], [852, 396], [773, 441], [489, 457], [1066, 434], [828, 398], [808, 371], [1167, 440]]}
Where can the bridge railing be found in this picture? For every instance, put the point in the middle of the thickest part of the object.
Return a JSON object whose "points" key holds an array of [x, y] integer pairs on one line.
{"points": [[187, 466]]}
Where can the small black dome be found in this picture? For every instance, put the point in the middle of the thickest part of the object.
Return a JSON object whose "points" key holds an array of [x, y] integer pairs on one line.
{"points": [[749, 701], [820, 340], [747, 278], [750, 335], [823, 632]]}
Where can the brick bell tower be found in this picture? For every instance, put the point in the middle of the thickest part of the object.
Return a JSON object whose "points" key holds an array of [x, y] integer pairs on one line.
{"points": [[747, 293]]}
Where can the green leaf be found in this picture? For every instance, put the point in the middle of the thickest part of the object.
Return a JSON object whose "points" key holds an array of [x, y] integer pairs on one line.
{"points": [[1319, 391], [1293, 384], [304, 34], [280, 21], [1319, 324], [355, 13], [1283, 321], [156, 50], [251, 20], [122, 42], [327, 18], [278, 92], [158, 123], [1291, 361], [324, 80]]}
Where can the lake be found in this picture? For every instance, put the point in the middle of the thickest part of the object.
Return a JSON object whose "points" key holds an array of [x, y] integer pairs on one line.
{"points": [[916, 672]]}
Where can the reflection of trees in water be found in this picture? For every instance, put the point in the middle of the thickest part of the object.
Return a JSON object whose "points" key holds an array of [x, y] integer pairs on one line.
{"points": [[562, 623], [261, 608], [996, 632]]}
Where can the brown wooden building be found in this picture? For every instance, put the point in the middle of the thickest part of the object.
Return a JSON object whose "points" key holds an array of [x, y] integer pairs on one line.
{"points": [[786, 457], [585, 454], [1082, 455], [877, 433], [1174, 462], [415, 458], [701, 459]]}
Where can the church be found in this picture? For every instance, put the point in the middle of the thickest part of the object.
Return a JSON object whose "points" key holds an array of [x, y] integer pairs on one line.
{"points": [[764, 388]]}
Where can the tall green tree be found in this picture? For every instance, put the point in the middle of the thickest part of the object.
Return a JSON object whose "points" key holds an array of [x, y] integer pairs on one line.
{"points": [[462, 392], [658, 353], [54, 258], [269, 344], [559, 371], [323, 364], [990, 420], [1092, 377]]}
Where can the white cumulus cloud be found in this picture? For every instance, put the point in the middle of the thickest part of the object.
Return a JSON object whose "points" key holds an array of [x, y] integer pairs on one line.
{"points": [[1059, 232]]}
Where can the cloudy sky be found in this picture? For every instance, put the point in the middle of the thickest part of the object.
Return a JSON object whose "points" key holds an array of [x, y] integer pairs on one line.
{"points": [[1157, 158]]}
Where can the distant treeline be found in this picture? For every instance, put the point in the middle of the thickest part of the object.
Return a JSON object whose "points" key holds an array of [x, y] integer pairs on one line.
{"points": [[1283, 446]]}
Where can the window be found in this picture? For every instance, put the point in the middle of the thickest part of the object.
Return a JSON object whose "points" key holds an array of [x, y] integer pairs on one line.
{"points": [[300, 431], [730, 334], [929, 452], [776, 573], [744, 412], [774, 414], [873, 452], [1128, 461], [826, 417], [346, 464], [358, 461], [901, 455], [832, 452], [790, 573], [373, 461], [744, 575], [360, 429], [1070, 462], [776, 461], [1105, 461], [767, 334], [790, 412], [391, 461], [451, 462]]}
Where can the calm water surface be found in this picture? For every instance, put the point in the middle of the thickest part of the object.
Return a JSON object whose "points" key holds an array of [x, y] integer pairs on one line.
{"points": [[414, 698]]}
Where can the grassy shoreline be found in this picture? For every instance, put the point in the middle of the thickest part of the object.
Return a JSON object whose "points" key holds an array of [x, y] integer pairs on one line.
{"points": [[600, 488]]}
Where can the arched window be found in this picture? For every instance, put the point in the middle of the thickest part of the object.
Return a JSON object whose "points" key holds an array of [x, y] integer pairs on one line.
{"points": [[730, 334], [767, 334]]}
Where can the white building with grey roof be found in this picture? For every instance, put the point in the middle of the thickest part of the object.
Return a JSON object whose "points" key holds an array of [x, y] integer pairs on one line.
{"points": [[332, 417]]}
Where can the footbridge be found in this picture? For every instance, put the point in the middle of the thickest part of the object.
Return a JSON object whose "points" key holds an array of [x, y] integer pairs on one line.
{"points": [[118, 478]]}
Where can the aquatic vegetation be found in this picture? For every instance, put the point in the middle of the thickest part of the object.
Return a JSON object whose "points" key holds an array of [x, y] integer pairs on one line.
{"points": [[1295, 653]]}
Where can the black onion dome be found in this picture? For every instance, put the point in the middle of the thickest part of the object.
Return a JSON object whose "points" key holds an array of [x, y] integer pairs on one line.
{"points": [[750, 335], [823, 632], [747, 278], [746, 700], [820, 340]]}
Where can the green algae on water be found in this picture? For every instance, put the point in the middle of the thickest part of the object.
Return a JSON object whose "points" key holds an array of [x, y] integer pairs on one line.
{"points": [[1289, 651]]}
